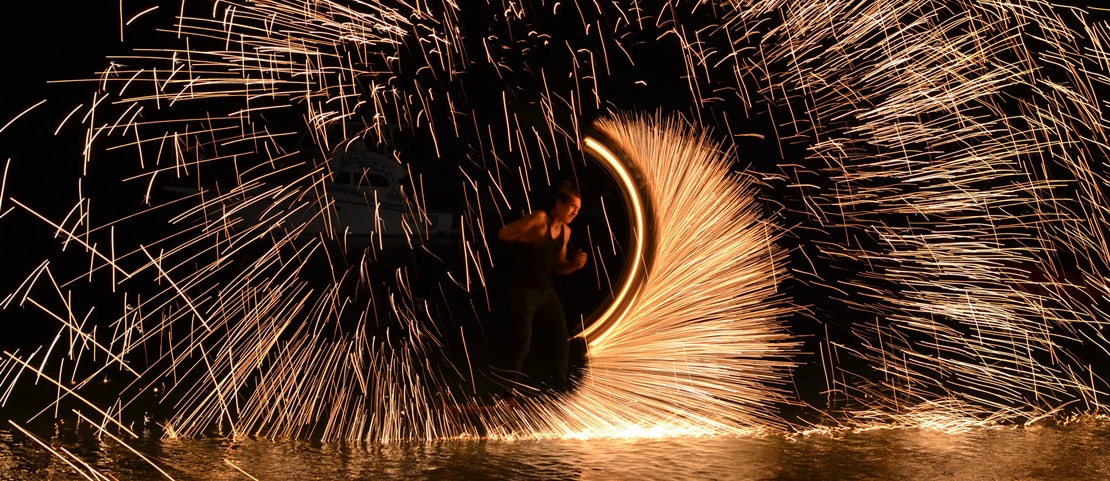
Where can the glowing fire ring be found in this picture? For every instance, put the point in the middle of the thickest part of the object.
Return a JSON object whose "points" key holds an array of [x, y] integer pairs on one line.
{"points": [[601, 324]]}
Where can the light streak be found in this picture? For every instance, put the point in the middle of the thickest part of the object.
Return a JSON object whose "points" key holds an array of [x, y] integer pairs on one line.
{"points": [[642, 237], [21, 114], [4, 185], [237, 468]]}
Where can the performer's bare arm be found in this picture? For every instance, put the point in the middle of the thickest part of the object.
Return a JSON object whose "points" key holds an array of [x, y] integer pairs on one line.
{"points": [[526, 229]]}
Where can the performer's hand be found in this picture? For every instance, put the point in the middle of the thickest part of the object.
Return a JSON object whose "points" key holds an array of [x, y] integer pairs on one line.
{"points": [[579, 259]]}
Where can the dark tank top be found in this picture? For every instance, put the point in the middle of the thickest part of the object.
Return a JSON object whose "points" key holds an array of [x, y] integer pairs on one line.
{"points": [[533, 264]]}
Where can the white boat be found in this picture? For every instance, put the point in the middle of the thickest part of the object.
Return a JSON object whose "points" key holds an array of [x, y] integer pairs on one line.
{"points": [[365, 198], [373, 198]]}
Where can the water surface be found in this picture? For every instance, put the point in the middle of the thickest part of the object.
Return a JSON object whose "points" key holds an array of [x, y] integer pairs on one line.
{"points": [[1076, 451]]}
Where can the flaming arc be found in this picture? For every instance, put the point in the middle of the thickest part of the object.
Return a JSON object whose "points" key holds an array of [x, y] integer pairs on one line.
{"points": [[701, 345]]}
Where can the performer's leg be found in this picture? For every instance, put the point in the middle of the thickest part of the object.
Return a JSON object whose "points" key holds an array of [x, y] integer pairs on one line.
{"points": [[552, 320], [523, 304]]}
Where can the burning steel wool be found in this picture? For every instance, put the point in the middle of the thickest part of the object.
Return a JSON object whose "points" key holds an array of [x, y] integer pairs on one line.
{"points": [[834, 213]]}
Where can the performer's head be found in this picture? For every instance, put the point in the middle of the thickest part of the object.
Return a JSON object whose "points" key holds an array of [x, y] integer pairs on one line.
{"points": [[568, 200]]}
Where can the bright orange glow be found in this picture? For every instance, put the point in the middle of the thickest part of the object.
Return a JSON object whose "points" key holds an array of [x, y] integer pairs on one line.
{"points": [[604, 324]]}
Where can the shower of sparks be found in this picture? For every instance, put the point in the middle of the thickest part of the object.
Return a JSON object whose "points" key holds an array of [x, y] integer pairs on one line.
{"points": [[941, 167], [701, 348], [955, 173]]}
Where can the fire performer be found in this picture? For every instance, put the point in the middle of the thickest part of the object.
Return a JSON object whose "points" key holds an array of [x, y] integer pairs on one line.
{"points": [[540, 240]]}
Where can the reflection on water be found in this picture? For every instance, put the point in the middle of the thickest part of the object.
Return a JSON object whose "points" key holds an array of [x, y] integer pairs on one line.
{"points": [[1076, 451]]}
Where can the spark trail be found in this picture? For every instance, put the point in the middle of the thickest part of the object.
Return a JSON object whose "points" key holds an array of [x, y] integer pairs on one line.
{"points": [[940, 167], [955, 174]]}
